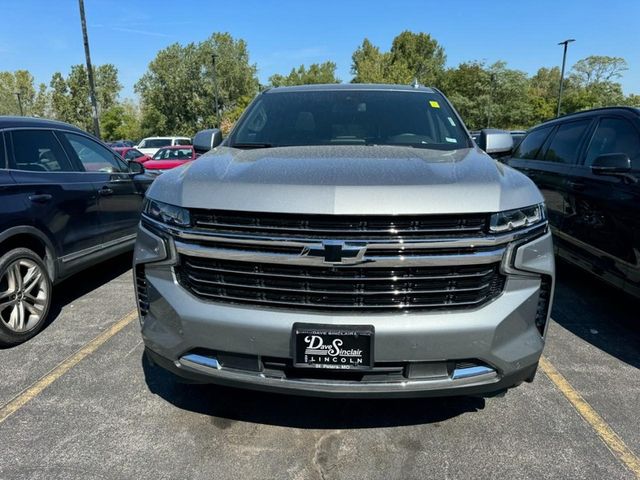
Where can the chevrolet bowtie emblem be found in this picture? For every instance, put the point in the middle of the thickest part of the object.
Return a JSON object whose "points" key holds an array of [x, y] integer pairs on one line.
{"points": [[336, 252]]}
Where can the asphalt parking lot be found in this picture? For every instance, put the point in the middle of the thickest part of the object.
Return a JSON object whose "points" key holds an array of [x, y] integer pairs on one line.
{"points": [[78, 401]]}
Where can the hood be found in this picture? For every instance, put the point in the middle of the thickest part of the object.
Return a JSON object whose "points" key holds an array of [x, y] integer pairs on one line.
{"points": [[161, 164], [347, 180]]}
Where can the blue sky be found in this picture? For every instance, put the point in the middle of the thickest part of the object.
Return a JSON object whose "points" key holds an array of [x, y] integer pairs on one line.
{"points": [[44, 36]]}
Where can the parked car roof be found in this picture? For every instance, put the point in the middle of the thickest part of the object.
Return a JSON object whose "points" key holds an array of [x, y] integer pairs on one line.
{"points": [[24, 122], [585, 113]]}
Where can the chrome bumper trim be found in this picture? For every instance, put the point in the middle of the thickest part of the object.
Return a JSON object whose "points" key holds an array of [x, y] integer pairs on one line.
{"points": [[210, 366]]}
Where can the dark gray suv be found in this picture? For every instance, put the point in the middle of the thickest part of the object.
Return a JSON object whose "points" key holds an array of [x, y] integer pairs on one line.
{"points": [[346, 240]]}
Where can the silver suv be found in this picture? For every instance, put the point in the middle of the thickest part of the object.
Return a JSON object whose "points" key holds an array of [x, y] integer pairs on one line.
{"points": [[346, 240]]}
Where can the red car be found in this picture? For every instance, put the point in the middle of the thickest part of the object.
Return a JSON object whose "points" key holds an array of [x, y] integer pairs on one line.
{"points": [[130, 153], [170, 157]]}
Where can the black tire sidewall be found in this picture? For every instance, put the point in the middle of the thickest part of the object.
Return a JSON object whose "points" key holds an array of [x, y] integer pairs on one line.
{"points": [[7, 336]]}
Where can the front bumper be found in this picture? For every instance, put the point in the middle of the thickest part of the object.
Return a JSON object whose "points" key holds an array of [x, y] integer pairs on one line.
{"points": [[501, 336]]}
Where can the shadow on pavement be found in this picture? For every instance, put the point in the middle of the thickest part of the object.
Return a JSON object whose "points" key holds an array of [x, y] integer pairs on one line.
{"points": [[86, 281], [227, 405], [602, 315]]}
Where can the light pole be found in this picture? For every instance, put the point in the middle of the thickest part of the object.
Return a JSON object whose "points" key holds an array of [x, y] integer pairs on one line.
{"points": [[215, 88], [19, 95], [92, 85], [564, 60]]}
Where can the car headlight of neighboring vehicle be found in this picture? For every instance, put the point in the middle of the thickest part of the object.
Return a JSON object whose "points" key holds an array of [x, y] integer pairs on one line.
{"points": [[165, 213], [517, 219]]}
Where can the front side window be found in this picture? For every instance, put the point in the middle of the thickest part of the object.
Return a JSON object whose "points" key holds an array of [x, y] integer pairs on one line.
{"points": [[530, 146], [566, 142], [351, 117], [38, 151], [93, 156], [133, 154], [183, 141], [615, 135]]}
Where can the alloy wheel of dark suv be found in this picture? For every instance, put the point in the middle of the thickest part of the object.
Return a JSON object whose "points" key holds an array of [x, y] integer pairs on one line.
{"points": [[25, 295]]}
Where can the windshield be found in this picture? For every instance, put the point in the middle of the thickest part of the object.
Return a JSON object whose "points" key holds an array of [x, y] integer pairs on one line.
{"points": [[350, 117], [155, 143], [173, 154]]}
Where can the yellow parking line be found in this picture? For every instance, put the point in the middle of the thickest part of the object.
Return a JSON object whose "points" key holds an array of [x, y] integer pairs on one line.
{"points": [[38, 387], [602, 428]]}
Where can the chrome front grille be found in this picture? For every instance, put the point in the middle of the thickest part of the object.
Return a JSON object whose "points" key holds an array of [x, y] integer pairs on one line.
{"points": [[384, 263], [340, 288], [339, 226]]}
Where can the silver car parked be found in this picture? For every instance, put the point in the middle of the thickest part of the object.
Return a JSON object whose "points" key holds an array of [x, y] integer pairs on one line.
{"points": [[346, 240]]}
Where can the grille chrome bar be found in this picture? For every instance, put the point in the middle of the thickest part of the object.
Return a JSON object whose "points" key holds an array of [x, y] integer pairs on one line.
{"points": [[342, 278], [257, 239], [289, 304], [399, 291], [435, 259], [330, 226]]}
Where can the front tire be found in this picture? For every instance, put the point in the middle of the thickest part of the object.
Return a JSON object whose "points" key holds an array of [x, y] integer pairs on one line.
{"points": [[25, 296]]}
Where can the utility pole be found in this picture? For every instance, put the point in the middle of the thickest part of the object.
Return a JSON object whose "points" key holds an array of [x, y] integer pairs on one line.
{"points": [[19, 95], [92, 85], [564, 61], [214, 56]]}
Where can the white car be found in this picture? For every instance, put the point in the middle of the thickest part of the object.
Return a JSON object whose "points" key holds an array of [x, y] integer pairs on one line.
{"points": [[150, 145]]}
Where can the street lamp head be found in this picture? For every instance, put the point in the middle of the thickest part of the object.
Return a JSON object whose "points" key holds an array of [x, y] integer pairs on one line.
{"points": [[567, 41]]}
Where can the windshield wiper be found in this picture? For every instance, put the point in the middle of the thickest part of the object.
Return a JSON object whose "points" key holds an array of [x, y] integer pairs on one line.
{"points": [[251, 145]]}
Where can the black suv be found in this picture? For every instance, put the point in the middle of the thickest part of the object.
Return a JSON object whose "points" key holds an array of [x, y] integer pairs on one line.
{"points": [[587, 165], [66, 202]]}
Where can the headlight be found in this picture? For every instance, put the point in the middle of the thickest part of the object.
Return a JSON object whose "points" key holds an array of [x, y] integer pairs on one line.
{"points": [[165, 213], [516, 219]]}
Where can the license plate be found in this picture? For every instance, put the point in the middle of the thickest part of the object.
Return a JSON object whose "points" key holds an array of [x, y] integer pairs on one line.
{"points": [[339, 347]]}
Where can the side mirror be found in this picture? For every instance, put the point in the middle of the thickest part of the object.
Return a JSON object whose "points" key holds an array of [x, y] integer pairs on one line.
{"points": [[205, 140], [135, 167], [495, 142], [611, 164]]}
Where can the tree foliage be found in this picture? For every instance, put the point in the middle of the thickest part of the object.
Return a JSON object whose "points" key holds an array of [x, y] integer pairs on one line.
{"points": [[316, 73], [178, 94], [13, 85], [413, 56]]}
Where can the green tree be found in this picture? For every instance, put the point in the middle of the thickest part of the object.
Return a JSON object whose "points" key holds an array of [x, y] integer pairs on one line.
{"points": [[177, 91], [107, 86], [489, 96], [42, 102], [369, 64], [543, 93], [12, 85], [59, 97], [316, 73], [593, 83], [632, 100], [121, 121], [79, 106], [598, 69], [69, 97], [412, 56], [417, 56]]}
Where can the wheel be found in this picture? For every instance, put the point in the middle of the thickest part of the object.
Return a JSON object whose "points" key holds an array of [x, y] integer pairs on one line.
{"points": [[25, 296]]}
